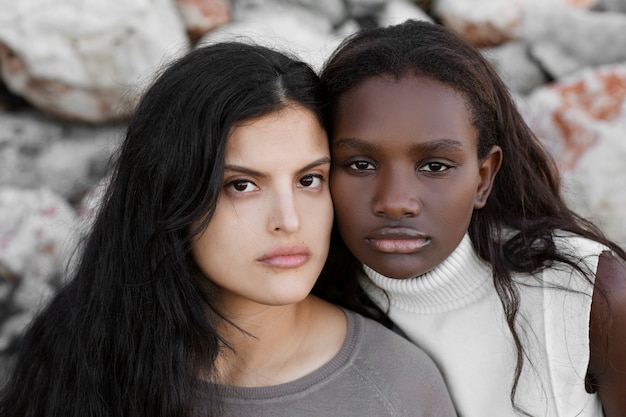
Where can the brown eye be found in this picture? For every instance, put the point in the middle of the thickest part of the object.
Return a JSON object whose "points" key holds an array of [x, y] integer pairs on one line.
{"points": [[241, 186], [310, 181], [362, 166], [435, 167]]}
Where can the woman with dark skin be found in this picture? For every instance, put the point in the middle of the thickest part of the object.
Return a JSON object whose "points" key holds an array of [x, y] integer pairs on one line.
{"points": [[192, 295], [450, 227]]}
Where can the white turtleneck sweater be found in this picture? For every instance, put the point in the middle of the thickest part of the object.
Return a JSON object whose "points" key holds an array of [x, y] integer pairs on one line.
{"points": [[455, 315]]}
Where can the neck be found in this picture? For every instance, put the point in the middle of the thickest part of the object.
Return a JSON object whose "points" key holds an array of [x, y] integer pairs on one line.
{"points": [[277, 344]]}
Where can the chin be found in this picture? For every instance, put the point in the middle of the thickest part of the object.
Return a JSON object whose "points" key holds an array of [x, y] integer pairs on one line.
{"points": [[400, 275], [399, 267]]}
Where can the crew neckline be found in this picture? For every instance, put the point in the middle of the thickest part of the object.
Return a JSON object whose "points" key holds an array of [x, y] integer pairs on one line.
{"points": [[338, 362]]}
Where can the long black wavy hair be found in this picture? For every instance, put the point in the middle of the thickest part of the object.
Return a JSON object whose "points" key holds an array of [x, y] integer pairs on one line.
{"points": [[525, 197], [135, 327]]}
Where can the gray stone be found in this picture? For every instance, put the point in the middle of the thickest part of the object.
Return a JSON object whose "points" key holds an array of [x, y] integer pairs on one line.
{"points": [[71, 166], [80, 60], [517, 69], [613, 5], [202, 16], [38, 232], [23, 138], [286, 27], [566, 39], [581, 120], [398, 11]]}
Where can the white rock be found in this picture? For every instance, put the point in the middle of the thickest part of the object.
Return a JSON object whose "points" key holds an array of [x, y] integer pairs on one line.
{"points": [[483, 22], [398, 11], [332, 11], [38, 232], [514, 65], [34, 291], [288, 28], [582, 121], [13, 327], [18, 169], [202, 16], [78, 59], [566, 39], [596, 187], [23, 138], [554, 59], [67, 166], [347, 28], [493, 22], [27, 129]]}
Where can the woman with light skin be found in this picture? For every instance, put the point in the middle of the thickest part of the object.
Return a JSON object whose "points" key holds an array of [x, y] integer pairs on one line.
{"points": [[457, 235], [192, 294]]}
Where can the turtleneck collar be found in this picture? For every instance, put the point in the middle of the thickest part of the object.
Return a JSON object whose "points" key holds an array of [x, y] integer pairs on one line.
{"points": [[459, 280]]}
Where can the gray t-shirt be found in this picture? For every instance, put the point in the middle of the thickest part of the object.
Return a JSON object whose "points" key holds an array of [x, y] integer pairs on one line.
{"points": [[376, 373]]}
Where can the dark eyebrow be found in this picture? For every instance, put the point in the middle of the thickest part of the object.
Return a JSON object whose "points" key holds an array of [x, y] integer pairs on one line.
{"points": [[321, 161], [353, 143], [438, 145], [449, 145], [245, 170]]}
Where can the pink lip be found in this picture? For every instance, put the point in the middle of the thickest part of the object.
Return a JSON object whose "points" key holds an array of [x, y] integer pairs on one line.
{"points": [[285, 257], [400, 240]]}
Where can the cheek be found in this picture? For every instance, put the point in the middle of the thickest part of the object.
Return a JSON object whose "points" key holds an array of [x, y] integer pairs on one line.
{"points": [[345, 199], [223, 234], [352, 211], [317, 212], [454, 206], [323, 213]]}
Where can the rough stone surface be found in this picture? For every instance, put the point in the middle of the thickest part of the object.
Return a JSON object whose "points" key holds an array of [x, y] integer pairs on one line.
{"points": [[70, 167], [582, 120], [516, 67], [39, 231], [37, 152], [397, 11], [78, 59], [35, 225], [612, 5], [286, 27], [23, 138], [493, 22], [565, 39], [202, 16], [483, 22]]}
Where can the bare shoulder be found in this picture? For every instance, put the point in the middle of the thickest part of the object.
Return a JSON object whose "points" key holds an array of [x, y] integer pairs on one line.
{"points": [[607, 364]]}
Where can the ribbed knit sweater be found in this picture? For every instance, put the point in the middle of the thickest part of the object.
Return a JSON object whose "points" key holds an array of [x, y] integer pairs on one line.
{"points": [[454, 313]]}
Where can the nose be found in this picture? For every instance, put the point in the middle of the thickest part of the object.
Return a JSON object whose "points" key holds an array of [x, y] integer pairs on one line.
{"points": [[284, 216], [396, 194]]}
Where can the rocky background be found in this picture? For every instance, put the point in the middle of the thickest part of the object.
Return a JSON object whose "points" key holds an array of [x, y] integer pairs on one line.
{"points": [[71, 71]]}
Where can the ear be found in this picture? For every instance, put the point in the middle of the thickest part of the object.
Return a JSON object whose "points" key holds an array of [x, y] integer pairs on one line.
{"points": [[487, 170]]}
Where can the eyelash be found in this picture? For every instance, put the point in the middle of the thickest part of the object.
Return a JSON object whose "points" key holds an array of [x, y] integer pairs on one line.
{"points": [[231, 186], [426, 167], [353, 165], [318, 177], [439, 164]]}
